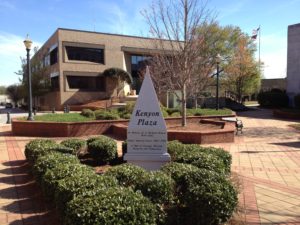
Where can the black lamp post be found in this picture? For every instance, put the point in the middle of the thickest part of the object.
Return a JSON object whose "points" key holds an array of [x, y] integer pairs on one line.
{"points": [[218, 60], [28, 44]]}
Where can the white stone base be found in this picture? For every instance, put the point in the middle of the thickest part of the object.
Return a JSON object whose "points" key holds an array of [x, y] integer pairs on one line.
{"points": [[148, 161]]}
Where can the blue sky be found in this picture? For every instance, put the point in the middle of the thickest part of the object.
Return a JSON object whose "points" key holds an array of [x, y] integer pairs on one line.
{"points": [[40, 18]]}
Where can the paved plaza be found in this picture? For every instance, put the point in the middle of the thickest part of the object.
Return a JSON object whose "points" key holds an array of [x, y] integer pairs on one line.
{"points": [[266, 160]]}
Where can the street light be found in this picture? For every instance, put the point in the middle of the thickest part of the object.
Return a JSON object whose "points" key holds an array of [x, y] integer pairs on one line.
{"points": [[28, 44], [218, 60]]}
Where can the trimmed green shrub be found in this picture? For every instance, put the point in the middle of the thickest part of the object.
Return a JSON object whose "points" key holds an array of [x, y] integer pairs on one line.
{"points": [[297, 101], [170, 111], [64, 149], [50, 161], [88, 113], [128, 175], [106, 115], [83, 186], [126, 116], [38, 147], [90, 140], [204, 196], [113, 206], [74, 143], [175, 114], [61, 171], [157, 186], [273, 99], [189, 153], [129, 107], [209, 198], [221, 154], [178, 172], [173, 147], [103, 149]]}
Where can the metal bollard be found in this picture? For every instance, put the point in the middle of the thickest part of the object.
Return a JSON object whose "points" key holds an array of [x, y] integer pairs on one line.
{"points": [[65, 109], [34, 112], [53, 110], [8, 118]]}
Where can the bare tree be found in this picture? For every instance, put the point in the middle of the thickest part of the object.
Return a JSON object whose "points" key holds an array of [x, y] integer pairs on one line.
{"points": [[181, 63]]}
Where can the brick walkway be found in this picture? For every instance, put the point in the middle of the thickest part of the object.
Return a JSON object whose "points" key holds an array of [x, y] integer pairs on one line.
{"points": [[21, 201], [266, 158]]}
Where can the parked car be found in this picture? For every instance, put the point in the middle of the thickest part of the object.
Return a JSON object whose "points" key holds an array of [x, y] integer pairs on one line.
{"points": [[8, 105]]}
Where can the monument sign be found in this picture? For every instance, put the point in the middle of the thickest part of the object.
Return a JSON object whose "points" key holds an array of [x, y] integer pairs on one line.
{"points": [[147, 131]]}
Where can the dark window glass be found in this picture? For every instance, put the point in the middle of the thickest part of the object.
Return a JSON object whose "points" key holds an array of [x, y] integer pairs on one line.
{"points": [[138, 62], [86, 83], [53, 56], [85, 54], [55, 83]]}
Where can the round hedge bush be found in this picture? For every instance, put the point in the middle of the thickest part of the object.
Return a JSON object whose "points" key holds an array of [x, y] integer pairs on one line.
{"points": [[78, 185], [120, 206], [210, 198], [50, 161], [297, 101], [128, 175], [158, 187], [106, 115], [273, 99], [59, 172], [88, 113], [103, 149], [37, 148], [75, 144]]}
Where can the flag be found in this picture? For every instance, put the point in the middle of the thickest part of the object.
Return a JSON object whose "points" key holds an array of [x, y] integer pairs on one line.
{"points": [[255, 33]]}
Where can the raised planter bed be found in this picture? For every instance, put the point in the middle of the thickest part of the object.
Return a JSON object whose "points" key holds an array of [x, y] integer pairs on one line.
{"points": [[225, 134], [119, 128]]}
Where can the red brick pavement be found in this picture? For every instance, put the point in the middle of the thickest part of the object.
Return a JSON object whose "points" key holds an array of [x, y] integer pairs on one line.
{"points": [[21, 200]]}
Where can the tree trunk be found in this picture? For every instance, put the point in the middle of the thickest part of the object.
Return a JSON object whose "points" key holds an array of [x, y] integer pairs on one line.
{"points": [[183, 106]]}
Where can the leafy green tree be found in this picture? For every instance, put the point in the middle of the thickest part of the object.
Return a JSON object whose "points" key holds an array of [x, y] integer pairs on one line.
{"points": [[40, 80], [2, 90], [121, 77], [242, 73], [15, 92]]}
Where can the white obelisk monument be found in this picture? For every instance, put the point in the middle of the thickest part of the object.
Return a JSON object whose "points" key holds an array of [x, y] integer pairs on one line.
{"points": [[147, 131]]}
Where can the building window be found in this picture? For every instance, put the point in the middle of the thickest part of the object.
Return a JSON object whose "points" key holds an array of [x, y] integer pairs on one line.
{"points": [[95, 55], [55, 83], [53, 56], [86, 83], [138, 62]]}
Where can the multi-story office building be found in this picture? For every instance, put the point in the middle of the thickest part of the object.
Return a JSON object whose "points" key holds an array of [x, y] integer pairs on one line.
{"points": [[76, 60], [293, 61]]}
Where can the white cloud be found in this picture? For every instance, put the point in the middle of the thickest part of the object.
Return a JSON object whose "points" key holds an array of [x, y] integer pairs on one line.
{"points": [[11, 49]]}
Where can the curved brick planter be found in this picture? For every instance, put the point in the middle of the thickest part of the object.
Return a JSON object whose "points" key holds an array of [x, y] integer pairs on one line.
{"points": [[119, 128], [223, 135], [286, 115]]}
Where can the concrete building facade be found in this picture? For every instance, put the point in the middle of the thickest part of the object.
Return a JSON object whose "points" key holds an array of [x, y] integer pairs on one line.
{"points": [[76, 60], [293, 61]]}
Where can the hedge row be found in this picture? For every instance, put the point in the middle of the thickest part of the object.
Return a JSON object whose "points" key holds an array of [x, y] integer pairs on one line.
{"points": [[214, 159], [185, 193], [193, 189], [83, 197]]}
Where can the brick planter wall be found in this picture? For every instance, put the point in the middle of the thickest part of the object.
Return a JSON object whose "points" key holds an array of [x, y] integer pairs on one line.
{"points": [[224, 135], [119, 128], [53, 129]]}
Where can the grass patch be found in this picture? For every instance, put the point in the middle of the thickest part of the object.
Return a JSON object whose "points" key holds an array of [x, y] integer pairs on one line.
{"points": [[208, 112], [60, 117]]}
